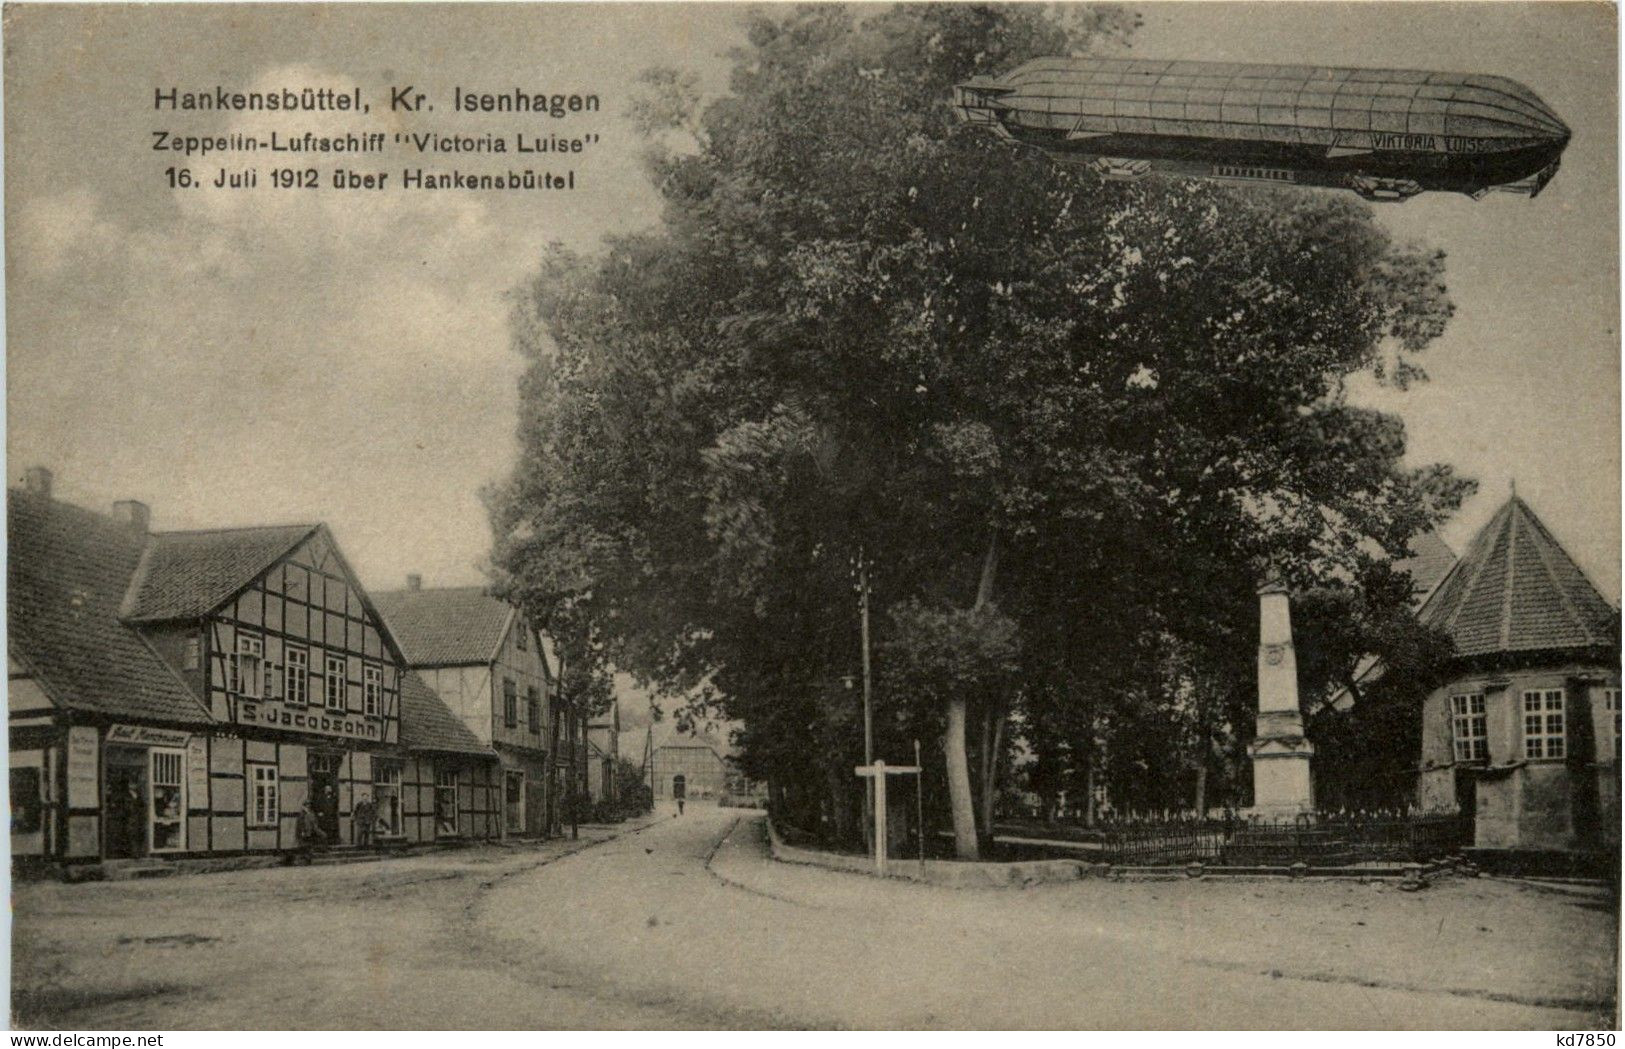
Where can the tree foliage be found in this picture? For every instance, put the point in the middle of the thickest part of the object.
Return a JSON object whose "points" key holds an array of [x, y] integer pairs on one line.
{"points": [[861, 326]]}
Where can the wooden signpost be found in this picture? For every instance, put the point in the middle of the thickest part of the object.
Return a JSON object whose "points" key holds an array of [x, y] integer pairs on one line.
{"points": [[878, 773]]}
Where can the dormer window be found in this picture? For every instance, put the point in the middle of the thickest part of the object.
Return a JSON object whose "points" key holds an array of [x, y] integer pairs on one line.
{"points": [[248, 666], [520, 642]]}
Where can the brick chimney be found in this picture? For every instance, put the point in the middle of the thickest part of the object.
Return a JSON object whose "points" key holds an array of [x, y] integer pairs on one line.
{"points": [[137, 515], [414, 581], [37, 481]]}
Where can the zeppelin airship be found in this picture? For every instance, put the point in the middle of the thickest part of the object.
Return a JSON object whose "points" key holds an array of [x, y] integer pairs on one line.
{"points": [[1386, 134]]}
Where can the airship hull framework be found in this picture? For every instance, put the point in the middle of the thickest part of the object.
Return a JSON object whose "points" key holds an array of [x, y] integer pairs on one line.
{"points": [[1386, 134]]}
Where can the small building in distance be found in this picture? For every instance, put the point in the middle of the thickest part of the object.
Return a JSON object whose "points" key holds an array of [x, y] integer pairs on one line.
{"points": [[604, 753], [1524, 738], [695, 761], [487, 663]]}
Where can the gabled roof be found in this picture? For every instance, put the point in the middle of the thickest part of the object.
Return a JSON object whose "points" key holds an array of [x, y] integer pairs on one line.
{"points": [[186, 575], [445, 627], [428, 724], [67, 571], [1517, 590], [662, 735]]}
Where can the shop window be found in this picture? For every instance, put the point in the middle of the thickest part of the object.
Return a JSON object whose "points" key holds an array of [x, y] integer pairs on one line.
{"points": [[1610, 703], [27, 809], [248, 666], [510, 703], [445, 802], [168, 813], [386, 791], [533, 709], [1467, 718], [263, 806], [1543, 735], [372, 690], [334, 683], [296, 676]]}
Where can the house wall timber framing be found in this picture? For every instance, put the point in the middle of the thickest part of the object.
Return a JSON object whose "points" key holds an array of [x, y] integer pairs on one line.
{"points": [[704, 773], [477, 693], [229, 775]]}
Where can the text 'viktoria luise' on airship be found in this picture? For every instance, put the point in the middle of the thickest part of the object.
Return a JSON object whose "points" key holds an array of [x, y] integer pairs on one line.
{"points": [[1386, 134]]}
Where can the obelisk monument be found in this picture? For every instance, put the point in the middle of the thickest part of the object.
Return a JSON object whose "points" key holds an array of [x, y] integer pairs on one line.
{"points": [[1281, 782]]}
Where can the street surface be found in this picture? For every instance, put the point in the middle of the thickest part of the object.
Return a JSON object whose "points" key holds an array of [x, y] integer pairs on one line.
{"points": [[688, 924]]}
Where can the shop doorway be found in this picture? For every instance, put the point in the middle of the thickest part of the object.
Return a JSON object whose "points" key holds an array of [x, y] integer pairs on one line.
{"points": [[514, 802], [124, 808], [1467, 800], [324, 792]]}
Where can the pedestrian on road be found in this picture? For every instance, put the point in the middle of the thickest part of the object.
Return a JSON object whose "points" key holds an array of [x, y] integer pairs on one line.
{"points": [[309, 833], [679, 790]]}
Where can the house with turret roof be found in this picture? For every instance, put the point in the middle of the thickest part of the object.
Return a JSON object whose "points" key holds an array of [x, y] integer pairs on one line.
{"points": [[1524, 736]]}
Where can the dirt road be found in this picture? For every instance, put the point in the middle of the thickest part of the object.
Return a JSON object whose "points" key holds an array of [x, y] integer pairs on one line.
{"points": [[689, 924]]}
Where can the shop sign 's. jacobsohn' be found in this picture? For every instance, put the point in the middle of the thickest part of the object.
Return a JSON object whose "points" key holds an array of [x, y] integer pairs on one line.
{"points": [[277, 715]]}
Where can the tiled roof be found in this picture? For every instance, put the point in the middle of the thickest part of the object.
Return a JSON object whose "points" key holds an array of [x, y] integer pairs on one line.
{"points": [[184, 575], [664, 734], [1431, 559], [428, 724], [1517, 590], [454, 626], [67, 572]]}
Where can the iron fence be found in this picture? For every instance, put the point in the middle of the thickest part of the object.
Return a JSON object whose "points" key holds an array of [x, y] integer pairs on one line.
{"points": [[1320, 841]]}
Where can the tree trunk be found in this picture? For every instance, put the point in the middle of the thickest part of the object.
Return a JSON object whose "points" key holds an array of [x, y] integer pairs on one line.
{"points": [[959, 792], [992, 750], [1201, 791], [840, 809], [1089, 815], [960, 796]]}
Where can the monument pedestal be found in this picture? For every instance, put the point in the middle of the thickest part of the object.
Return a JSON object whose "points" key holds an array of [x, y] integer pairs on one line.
{"points": [[1282, 786]]}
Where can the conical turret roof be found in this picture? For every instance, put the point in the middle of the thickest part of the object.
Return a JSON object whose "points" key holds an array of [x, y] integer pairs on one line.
{"points": [[1517, 590]]}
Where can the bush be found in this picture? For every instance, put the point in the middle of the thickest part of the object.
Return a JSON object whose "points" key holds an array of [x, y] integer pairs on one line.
{"points": [[632, 788], [636, 799], [606, 811]]}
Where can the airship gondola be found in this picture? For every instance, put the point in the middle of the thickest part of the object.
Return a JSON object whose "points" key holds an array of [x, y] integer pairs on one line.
{"points": [[1387, 134]]}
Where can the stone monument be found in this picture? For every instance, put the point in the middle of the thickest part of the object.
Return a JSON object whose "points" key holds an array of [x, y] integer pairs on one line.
{"points": [[1280, 752]]}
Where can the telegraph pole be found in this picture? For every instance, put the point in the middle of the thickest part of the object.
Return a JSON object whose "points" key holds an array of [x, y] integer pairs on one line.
{"points": [[868, 715]]}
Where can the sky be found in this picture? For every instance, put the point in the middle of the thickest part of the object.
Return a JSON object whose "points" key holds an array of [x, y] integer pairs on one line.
{"points": [[255, 357]]}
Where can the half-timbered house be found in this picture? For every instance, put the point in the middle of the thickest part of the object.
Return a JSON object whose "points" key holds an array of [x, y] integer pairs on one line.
{"points": [[490, 667], [184, 693]]}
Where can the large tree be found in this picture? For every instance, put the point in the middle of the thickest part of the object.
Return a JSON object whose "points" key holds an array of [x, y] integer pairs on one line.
{"points": [[1072, 418]]}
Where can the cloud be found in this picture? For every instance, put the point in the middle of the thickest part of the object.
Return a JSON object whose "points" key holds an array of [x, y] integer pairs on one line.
{"points": [[273, 353]]}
